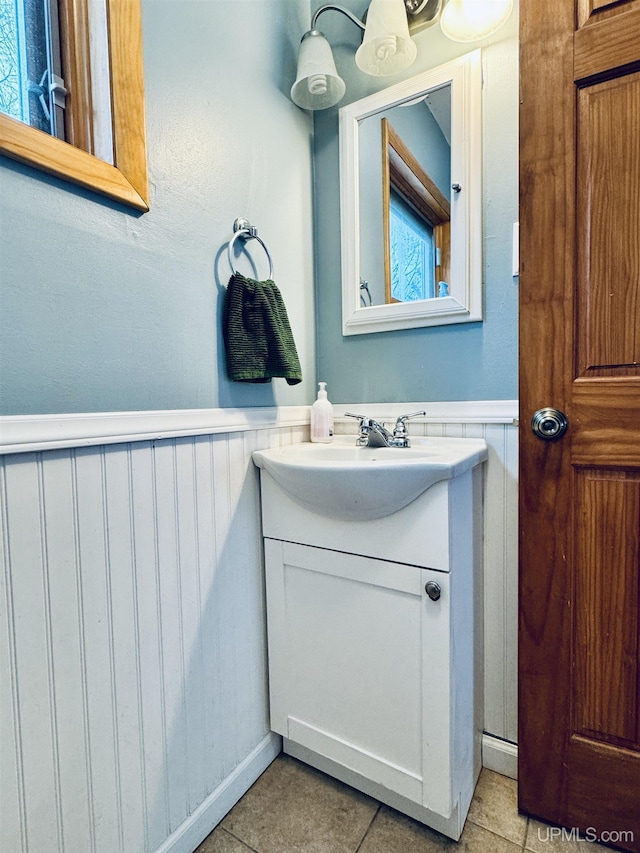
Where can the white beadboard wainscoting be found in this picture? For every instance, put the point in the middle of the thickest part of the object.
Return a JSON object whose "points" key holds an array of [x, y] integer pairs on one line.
{"points": [[133, 708]]}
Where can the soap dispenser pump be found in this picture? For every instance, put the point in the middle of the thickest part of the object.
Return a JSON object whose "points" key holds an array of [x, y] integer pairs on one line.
{"points": [[322, 416]]}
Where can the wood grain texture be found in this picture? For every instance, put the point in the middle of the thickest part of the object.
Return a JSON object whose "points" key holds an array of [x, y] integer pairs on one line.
{"points": [[126, 181], [607, 615], [605, 422], [593, 54], [607, 244], [579, 668], [52, 155], [410, 179], [547, 117], [127, 93], [598, 765], [442, 241], [76, 64], [592, 11]]}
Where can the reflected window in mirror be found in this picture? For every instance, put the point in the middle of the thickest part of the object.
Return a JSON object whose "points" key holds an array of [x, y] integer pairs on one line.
{"points": [[416, 214], [411, 253]]}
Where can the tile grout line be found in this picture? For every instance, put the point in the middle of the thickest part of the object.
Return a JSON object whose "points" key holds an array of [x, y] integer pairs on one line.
{"points": [[521, 845], [244, 843], [375, 814]]}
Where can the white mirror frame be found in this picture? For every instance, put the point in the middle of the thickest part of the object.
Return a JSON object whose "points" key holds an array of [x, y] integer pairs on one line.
{"points": [[464, 304]]}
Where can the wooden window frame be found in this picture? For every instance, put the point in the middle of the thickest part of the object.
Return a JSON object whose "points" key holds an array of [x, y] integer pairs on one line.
{"points": [[126, 180], [403, 172]]}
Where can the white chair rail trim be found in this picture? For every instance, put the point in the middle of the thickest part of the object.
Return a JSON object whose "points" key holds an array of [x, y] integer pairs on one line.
{"points": [[26, 433], [21, 433]]}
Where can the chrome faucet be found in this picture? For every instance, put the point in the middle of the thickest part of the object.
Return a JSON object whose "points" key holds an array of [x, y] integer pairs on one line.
{"points": [[373, 434]]}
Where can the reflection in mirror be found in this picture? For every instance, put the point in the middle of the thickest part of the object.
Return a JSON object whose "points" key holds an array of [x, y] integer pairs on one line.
{"points": [[416, 214], [410, 202], [404, 206]]}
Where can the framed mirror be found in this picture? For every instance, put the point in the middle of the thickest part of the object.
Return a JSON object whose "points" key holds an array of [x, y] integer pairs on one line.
{"points": [[411, 202]]}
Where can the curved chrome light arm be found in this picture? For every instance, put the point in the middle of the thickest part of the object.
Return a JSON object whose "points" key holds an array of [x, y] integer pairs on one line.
{"points": [[336, 8], [386, 49]]}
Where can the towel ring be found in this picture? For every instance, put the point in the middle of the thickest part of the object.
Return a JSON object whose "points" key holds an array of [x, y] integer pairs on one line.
{"points": [[243, 230]]}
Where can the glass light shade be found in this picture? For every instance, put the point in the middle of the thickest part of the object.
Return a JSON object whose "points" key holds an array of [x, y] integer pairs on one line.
{"points": [[318, 84], [387, 46], [472, 20]]}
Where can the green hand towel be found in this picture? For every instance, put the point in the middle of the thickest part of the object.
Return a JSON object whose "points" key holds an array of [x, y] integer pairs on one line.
{"points": [[257, 336]]}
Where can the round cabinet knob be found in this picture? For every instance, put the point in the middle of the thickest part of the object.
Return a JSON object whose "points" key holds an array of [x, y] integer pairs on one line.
{"points": [[549, 424], [433, 590]]}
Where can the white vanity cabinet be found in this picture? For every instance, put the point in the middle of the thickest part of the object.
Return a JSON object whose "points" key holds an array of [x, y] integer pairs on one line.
{"points": [[371, 679]]}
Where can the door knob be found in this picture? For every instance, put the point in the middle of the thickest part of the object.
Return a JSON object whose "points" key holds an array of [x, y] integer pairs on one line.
{"points": [[549, 424], [433, 590]]}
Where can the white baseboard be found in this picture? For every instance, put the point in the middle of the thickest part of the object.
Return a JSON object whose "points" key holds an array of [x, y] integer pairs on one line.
{"points": [[210, 812], [500, 755]]}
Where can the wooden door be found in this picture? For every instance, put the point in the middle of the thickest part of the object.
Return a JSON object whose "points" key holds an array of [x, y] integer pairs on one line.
{"points": [[579, 730]]}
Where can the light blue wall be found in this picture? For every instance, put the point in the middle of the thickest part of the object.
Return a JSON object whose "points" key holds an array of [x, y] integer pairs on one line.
{"points": [[475, 361], [103, 309]]}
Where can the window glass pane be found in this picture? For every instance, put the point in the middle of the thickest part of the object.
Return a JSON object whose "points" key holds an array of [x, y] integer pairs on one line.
{"points": [[25, 60], [412, 253], [13, 71], [36, 50]]}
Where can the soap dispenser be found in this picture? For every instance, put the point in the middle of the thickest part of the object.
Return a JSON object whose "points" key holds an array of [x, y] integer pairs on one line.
{"points": [[322, 416]]}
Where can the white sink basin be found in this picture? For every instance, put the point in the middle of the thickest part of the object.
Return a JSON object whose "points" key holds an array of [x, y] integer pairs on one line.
{"points": [[340, 480]]}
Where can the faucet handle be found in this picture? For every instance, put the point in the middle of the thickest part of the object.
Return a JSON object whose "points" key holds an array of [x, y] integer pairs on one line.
{"points": [[404, 418], [364, 421], [400, 433], [363, 428]]}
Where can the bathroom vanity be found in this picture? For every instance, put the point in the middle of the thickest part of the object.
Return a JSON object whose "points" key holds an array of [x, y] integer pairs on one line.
{"points": [[374, 623]]}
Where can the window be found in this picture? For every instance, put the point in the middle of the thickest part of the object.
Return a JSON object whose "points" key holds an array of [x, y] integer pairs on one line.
{"points": [[92, 87], [31, 86], [412, 253], [416, 222]]}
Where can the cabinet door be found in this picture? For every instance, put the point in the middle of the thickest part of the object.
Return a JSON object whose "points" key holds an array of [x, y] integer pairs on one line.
{"points": [[359, 666]]}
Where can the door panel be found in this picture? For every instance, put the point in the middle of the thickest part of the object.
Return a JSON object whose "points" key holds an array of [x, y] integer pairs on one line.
{"points": [[606, 606], [608, 242], [612, 25], [605, 423], [587, 8], [579, 669]]}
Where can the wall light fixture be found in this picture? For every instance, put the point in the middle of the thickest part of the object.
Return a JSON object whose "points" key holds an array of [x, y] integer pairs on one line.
{"points": [[472, 20], [387, 46]]}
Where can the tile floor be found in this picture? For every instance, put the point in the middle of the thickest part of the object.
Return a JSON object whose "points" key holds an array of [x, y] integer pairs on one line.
{"points": [[293, 808]]}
